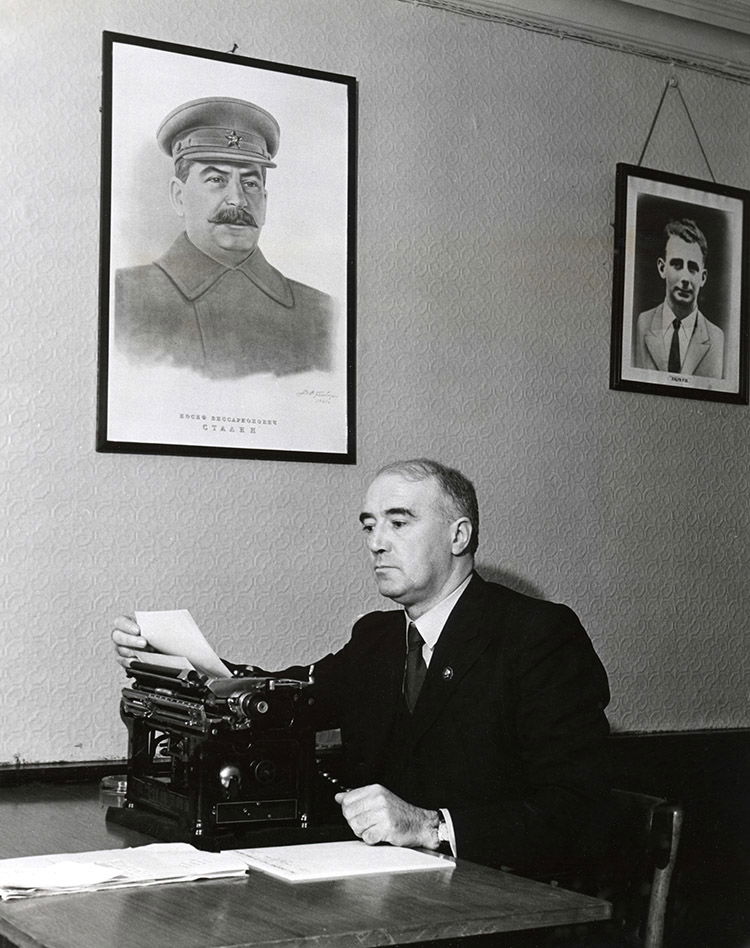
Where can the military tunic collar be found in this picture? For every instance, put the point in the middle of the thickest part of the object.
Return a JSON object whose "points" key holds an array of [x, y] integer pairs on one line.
{"points": [[194, 273]]}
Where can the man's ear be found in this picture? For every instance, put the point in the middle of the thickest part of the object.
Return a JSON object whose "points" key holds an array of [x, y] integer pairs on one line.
{"points": [[461, 535], [176, 188], [661, 267]]}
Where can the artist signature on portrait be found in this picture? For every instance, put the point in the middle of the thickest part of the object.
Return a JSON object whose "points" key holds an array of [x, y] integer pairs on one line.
{"points": [[322, 396]]}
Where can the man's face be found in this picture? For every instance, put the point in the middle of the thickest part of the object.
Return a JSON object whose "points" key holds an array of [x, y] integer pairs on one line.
{"points": [[223, 205], [410, 539], [682, 270]]}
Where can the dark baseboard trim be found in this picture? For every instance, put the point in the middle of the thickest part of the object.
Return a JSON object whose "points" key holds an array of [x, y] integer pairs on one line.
{"points": [[80, 771], [694, 732], [686, 766], [12, 775]]}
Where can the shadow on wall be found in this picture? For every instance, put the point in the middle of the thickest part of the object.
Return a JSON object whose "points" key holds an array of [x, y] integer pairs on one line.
{"points": [[506, 578]]}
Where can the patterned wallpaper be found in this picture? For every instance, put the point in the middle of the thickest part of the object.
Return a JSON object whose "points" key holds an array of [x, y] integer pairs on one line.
{"points": [[487, 159]]}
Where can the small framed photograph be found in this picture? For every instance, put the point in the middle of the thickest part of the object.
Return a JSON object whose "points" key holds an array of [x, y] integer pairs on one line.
{"points": [[679, 308], [227, 277]]}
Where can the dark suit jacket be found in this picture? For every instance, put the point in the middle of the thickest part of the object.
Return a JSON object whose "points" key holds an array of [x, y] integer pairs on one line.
{"points": [[507, 734]]}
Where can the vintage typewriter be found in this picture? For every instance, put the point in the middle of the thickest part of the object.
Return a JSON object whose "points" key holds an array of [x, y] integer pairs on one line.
{"points": [[219, 763]]}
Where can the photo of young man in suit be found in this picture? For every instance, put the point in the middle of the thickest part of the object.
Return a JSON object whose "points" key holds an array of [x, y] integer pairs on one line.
{"points": [[675, 336]]}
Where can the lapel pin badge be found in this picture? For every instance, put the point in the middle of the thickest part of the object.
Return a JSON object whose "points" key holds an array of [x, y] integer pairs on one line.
{"points": [[447, 673]]}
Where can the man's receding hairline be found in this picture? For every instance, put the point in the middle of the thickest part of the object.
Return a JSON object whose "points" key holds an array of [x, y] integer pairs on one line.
{"points": [[456, 492], [442, 499]]}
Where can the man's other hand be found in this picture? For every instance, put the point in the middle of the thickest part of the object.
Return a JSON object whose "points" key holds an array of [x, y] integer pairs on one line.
{"points": [[128, 640], [378, 816]]}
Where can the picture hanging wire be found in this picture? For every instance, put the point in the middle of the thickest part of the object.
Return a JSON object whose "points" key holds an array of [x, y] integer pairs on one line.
{"points": [[672, 83]]}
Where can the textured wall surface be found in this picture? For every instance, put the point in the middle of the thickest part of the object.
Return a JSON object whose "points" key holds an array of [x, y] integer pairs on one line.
{"points": [[487, 158]]}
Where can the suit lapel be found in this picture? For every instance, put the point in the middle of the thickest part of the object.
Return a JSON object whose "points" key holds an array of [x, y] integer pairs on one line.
{"points": [[382, 679], [387, 682], [462, 641], [700, 343], [654, 340]]}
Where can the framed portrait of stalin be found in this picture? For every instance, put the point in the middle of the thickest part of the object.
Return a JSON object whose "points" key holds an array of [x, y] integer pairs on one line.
{"points": [[227, 292]]}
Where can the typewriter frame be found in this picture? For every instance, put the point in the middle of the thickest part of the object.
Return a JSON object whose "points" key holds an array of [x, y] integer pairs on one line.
{"points": [[216, 762]]}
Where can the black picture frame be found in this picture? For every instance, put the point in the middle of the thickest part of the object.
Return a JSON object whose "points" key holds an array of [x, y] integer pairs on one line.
{"points": [[278, 392], [715, 350]]}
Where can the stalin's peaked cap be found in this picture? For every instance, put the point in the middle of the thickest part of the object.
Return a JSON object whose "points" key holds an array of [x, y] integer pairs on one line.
{"points": [[220, 128]]}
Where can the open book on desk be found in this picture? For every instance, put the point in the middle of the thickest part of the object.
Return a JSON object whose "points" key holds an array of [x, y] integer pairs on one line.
{"points": [[30, 876], [178, 643]]}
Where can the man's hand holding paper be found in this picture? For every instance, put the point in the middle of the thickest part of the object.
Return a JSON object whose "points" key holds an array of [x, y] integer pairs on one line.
{"points": [[171, 632]]}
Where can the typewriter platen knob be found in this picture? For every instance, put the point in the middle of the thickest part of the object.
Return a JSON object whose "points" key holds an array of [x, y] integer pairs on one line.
{"points": [[253, 705]]}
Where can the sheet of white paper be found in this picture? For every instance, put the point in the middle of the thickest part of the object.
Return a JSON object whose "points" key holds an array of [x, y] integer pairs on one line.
{"points": [[178, 662], [64, 874], [311, 862], [175, 632], [167, 861]]}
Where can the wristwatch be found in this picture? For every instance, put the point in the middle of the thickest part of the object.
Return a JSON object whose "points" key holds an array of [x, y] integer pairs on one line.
{"points": [[444, 838]]}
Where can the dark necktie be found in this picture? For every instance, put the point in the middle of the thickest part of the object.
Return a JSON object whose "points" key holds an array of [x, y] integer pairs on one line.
{"points": [[415, 667], [673, 365]]}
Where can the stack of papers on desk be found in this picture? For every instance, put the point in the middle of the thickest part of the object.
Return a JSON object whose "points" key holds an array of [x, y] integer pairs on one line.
{"points": [[27, 877], [30, 876], [313, 862]]}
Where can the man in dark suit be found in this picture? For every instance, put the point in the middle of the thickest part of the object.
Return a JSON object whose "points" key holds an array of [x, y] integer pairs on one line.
{"points": [[481, 732], [212, 302]]}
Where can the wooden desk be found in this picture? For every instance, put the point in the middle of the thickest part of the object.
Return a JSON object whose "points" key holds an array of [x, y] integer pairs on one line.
{"points": [[258, 910]]}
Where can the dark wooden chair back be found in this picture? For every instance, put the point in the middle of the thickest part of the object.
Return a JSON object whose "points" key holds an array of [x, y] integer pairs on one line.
{"points": [[633, 873], [636, 873], [660, 824]]}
